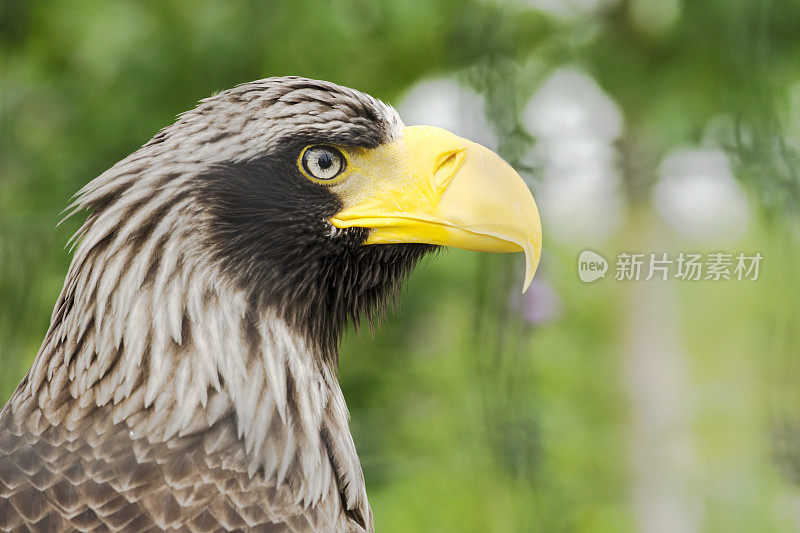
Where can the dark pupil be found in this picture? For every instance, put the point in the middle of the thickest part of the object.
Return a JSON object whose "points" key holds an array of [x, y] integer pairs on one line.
{"points": [[325, 161]]}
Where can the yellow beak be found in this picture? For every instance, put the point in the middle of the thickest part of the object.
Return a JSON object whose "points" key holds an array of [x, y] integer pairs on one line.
{"points": [[448, 191]]}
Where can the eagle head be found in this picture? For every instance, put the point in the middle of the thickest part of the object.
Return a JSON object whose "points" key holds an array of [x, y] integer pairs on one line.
{"points": [[312, 198], [209, 287]]}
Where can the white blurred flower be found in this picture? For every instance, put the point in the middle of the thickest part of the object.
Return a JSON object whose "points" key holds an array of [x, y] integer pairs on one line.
{"points": [[580, 208], [570, 105], [567, 155], [445, 103], [699, 198], [576, 124]]}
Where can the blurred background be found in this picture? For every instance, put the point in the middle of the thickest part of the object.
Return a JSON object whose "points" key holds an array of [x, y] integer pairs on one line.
{"points": [[650, 126]]}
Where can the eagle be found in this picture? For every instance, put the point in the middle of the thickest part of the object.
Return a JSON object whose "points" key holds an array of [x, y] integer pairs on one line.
{"points": [[188, 378]]}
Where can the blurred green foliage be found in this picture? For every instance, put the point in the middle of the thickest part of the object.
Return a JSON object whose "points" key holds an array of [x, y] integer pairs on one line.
{"points": [[465, 418]]}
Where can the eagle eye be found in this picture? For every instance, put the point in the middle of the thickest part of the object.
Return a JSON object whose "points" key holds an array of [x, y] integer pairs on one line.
{"points": [[323, 162]]}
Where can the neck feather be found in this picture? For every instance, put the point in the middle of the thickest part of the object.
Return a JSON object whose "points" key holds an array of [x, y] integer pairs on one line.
{"points": [[174, 348]]}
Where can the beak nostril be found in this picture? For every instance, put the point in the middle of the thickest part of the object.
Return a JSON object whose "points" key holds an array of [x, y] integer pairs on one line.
{"points": [[446, 169], [448, 162]]}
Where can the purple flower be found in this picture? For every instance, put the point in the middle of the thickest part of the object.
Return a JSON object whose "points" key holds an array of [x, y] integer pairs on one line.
{"points": [[540, 304]]}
